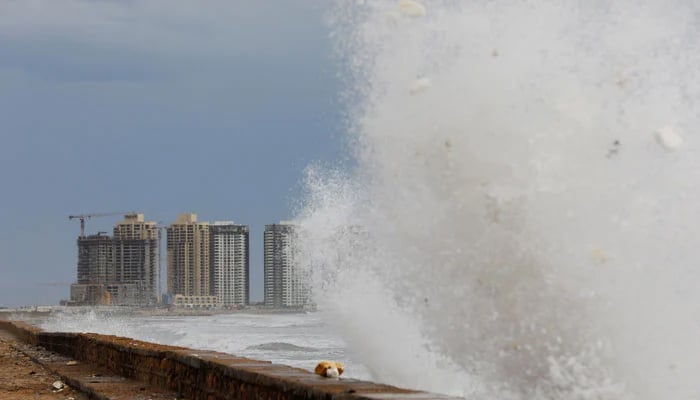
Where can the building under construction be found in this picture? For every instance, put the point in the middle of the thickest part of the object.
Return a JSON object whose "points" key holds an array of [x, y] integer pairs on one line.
{"points": [[95, 264], [119, 270]]}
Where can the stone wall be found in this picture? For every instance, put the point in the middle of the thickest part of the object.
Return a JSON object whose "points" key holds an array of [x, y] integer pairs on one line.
{"points": [[205, 375]]}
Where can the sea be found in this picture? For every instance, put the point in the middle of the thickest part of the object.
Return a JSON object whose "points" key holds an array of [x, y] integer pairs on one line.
{"points": [[296, 339]]}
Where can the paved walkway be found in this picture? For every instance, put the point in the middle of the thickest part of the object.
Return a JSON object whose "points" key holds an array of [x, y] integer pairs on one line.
{"points": [[21, 378], [28, 373]]}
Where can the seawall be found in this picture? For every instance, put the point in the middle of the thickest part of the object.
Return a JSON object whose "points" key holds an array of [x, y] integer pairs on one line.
{"points": [[205, 375]]}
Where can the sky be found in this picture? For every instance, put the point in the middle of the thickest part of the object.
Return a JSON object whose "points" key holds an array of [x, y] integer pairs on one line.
{"points": [[214, 107]]}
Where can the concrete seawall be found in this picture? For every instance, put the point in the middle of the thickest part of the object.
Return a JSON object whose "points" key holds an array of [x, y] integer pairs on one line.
{"points": [[205, 375]]}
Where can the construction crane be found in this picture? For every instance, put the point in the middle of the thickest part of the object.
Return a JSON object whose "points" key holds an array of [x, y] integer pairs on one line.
{"points": [[83, 217]]}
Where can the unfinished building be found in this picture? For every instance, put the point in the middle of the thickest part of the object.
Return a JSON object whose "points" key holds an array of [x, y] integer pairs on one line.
{"points": [[119, 270], [136, 260]]}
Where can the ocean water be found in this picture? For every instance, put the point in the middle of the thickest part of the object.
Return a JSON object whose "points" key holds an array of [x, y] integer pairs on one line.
{"points": [[299, 340]]}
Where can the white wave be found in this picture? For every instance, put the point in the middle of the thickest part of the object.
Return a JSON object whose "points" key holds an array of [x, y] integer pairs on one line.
{"points": [[515, 231]]}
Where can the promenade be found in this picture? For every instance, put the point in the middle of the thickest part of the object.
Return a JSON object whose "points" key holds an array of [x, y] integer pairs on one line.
{"points": [[29, 372], [21, 378]]}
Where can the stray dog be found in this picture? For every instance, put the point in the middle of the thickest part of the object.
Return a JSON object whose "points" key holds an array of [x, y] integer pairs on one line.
{"points": [[329, 369]]}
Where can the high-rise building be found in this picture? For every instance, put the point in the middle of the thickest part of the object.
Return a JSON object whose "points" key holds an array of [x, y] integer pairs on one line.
{"points": [[95, 270], [230, 266], [95, 259], [285, 283], [119, 270], [136, 257], [188, 257]]}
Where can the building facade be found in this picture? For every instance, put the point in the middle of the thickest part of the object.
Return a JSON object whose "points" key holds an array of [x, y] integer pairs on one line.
{"points": [[285, 283], [229, 252], [120, 269], [95, 270], [188, 257], [136, 259], [95, 259], [201, 302]]}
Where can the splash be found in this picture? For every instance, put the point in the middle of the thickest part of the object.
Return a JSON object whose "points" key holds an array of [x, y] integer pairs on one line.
{"points": [[105, 320], [522, 221]]}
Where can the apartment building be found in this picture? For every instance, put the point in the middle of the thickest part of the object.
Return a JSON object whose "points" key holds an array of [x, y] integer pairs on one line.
{"points": [[188, 250], [136, 258], [285, 283], [229, 252]]}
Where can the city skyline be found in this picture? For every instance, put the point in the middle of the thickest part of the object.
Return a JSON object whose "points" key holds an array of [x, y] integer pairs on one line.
{"points": [[207, 264], [162, 105]]}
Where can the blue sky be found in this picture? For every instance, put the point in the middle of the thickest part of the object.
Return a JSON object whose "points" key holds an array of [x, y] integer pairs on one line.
{"points": [[163, 106]]}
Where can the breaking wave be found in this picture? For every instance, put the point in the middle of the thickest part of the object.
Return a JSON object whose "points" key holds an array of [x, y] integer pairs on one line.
{"points": [[522, 220]]}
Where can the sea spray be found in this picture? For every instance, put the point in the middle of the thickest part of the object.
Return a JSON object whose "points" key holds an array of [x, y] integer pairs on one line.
{"points": [[522, 220]]}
